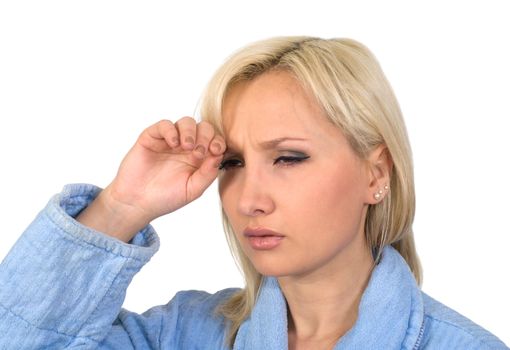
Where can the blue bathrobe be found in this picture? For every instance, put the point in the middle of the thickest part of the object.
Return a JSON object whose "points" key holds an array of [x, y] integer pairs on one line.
{"points": [[62, 286]]}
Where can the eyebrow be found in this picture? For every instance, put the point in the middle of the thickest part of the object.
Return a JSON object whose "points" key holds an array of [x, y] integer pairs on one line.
{"points": [[270, 144]]}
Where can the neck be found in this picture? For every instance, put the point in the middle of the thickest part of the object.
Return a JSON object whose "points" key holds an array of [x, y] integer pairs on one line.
{"points": [[323, 305]]}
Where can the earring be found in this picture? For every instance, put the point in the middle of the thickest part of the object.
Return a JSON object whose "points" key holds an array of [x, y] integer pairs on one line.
{"points": [[378, 194]]}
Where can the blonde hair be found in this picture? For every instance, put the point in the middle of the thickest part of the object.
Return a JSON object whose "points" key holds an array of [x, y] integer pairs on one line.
{"points": [[350, 86]]}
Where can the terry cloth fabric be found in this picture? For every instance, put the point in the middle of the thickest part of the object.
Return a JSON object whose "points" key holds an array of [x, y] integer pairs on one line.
{"points": [[62, 286]]}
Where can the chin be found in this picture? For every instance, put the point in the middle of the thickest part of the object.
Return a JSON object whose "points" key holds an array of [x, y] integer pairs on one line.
{"points": [[273, 269], [269, 270]]}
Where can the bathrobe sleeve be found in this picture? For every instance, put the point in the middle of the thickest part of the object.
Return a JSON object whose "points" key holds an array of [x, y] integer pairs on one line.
{"points": [[62, 285]]}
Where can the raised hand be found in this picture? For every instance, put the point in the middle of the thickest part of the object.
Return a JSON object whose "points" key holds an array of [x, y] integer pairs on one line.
{"points": [[169, 166]]}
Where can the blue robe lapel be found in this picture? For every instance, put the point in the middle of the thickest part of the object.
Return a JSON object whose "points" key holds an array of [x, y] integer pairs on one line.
{"points": [[266, 328], [390, 313]]}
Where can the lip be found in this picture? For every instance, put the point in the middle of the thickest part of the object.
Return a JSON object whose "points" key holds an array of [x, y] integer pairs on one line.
{"points": [[260, 232], [261, 238]]}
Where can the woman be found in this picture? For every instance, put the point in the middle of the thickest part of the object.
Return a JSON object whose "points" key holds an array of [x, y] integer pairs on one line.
{"points": [[316, 184]]}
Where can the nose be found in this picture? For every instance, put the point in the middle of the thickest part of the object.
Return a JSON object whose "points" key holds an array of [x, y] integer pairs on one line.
{"points": [[255, 197]]}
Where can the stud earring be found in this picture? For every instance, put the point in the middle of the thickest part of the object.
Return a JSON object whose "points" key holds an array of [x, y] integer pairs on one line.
{"points": [[378, 194]]}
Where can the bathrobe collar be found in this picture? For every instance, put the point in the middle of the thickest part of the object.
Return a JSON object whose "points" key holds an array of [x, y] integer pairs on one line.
{"points": [[390, 313]]}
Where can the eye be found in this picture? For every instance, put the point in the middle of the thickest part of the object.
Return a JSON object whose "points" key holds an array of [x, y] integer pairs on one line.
{"points": [[228, 163], [288, 160], [283, 161]]}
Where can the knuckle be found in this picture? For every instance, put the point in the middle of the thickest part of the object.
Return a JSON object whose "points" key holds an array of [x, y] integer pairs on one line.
{"points": [[165, 122], [186, 125], [206, 124], [206, 129], [187, 120]]}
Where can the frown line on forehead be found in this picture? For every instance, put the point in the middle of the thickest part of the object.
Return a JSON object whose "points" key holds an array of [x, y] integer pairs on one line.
{"points": [[266, 145]]}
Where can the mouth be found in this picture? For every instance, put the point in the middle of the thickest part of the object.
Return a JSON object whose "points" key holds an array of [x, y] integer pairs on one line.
{"points": [[260, 232], [261, 238]]}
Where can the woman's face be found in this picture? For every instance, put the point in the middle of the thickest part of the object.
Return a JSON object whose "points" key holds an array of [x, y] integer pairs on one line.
{"points": [[288, 169]]}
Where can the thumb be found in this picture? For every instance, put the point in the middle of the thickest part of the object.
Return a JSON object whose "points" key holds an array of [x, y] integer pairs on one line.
{"points": [[204, 176]]}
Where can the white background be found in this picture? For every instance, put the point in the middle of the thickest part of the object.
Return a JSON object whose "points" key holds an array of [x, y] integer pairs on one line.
{"points": [[79, 80]]}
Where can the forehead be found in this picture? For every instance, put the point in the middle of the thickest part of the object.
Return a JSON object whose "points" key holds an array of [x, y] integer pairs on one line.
{"points": [[271, 106]]}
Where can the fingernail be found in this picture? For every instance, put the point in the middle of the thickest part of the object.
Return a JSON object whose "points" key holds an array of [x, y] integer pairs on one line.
{"points": [[200, 149], [216, 147], [189, 139]]}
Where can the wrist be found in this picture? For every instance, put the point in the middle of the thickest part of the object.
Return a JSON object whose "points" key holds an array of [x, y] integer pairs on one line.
{"points": [[113, 217]]}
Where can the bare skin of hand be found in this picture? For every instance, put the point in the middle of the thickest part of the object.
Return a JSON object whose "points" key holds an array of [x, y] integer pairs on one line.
{"points": [[169, 166]]}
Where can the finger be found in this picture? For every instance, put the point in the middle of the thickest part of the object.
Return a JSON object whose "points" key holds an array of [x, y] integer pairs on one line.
{"points": [[187, 132], [205, 132], [160, 136], [217, 146], [203, 177], [166, 130]]}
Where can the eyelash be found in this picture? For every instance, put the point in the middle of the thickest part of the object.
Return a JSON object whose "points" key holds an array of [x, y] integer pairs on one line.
{"points": [[287, 161]]}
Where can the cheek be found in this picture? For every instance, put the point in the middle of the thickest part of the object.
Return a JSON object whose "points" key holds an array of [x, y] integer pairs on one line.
{"points": [[334, 203], [339, 189]]}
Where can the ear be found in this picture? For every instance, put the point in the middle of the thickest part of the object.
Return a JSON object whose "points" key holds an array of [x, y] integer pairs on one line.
{"points": [[380, 165]]}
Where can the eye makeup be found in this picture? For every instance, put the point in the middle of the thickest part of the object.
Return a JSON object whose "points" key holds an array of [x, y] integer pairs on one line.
{"points": [[284, 160]]}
